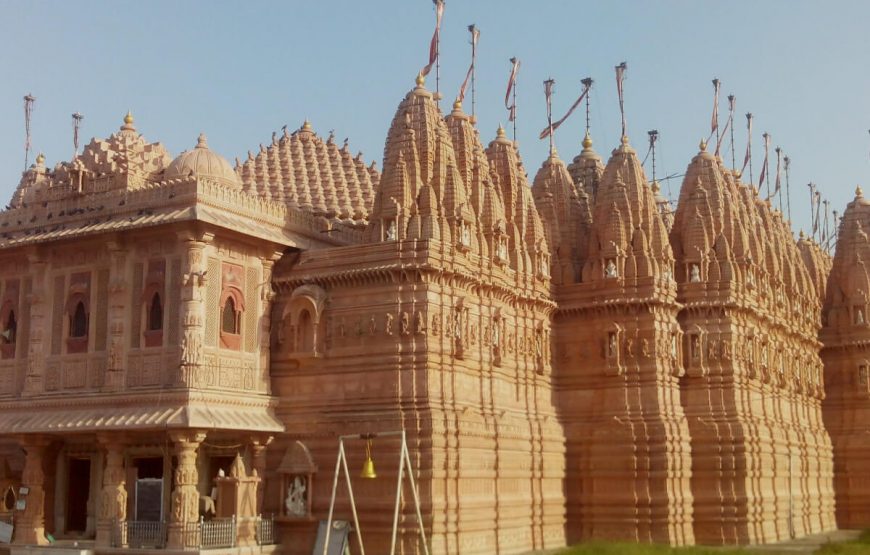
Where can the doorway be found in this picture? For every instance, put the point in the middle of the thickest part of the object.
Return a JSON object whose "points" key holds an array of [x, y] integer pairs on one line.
{"points": [[148, 489], [78, 492]]}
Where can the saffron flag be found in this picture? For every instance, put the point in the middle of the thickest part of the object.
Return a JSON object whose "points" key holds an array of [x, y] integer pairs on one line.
{"points": [[766, 138], [714, 124], [620, 77], [550, 128], [512, 82], [748, 142], [436, 37], [475, 34]]}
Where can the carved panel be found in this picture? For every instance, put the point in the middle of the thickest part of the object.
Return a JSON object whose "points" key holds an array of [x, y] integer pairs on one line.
{"points": [[174, 305], [57, 314], [212, 311], [102, 310], [135, 316], [250, 329]]}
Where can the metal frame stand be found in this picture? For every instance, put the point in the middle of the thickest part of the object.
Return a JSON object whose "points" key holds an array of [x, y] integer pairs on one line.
{"points": [[404, 464]]}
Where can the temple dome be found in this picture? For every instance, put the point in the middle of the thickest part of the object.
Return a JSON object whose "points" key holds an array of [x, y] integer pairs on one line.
{"points": [[202, 162]]}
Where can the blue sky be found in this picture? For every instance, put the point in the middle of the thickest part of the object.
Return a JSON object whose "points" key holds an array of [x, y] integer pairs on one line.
{"points": [[240, 70]]}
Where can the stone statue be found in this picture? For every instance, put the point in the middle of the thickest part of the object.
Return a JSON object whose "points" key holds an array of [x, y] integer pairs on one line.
{"points": [[610, 269], [419, 323], [611, 345], [405, 324], [391, 231], [295, 502], [694, 273], [388, 324]]}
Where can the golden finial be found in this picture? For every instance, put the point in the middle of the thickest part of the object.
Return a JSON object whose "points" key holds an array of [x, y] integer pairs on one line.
{"points": [[421, 80], [457, 105], [500, 132], [801, 235], [587, 141], [128, 119], [703, 145], [625, 140], [306, 125], [40, 159], [201, 141], [655, 186], [737, 174], [858, 192]]}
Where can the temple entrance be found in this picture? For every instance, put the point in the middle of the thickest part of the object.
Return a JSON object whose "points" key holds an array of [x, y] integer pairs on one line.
{"points": [[148, 492], [79, 485]]}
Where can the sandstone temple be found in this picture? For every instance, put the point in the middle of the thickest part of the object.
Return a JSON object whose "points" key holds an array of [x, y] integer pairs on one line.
{"points": [[182, 342]]}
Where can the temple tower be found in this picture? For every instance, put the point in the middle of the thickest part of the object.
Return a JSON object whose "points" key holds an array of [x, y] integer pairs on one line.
{"points": [[437, 323], [751, 390], [846, 338], [617, 369]]}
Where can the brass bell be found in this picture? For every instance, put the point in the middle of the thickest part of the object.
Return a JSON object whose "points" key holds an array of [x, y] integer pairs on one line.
{"points": [[368, 469]]}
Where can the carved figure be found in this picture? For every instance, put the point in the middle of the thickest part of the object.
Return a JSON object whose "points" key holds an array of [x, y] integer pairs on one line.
{"points": [[405, 324], [610, 269], [644, 348], [694, 273], [391, 231], [295, 502], [419, 323], [373, 326], [388, 324]]}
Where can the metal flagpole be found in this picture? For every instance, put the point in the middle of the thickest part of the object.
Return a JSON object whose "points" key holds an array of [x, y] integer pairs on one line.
{"points": [[732, 102], [514, 102], [474, 34], [548, 92], [77, 121], [787, 161], [587, 82], [29, 99]]}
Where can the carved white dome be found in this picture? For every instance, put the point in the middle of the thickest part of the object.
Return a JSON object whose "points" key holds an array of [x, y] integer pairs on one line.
{"points": [[202, 162]]}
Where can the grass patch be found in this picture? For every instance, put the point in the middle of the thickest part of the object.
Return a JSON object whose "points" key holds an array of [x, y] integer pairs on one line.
{"points": [[861, 546], [626, 548]]}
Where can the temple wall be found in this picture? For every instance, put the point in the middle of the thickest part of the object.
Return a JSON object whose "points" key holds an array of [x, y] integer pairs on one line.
{"points": [[464, 371]]}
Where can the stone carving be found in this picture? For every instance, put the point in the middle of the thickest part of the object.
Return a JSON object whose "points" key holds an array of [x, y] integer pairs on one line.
{"points": [[388, 324], [405, 323], [610, 269], [420, 322], [295, 502]]}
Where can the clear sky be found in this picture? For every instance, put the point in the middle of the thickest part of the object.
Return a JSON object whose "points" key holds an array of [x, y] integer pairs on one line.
{"points": [[239, 71]]}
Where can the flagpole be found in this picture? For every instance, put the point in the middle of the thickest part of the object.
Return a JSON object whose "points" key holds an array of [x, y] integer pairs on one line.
{"points": [[29, 99], [473, 30], [732, 102], [438, 59], [77, 121], [587, 82], [787, 162], [715, 122], [766, 137], [749, 144], [653, 137], [514, 101], [548, 92], [778, 189]]}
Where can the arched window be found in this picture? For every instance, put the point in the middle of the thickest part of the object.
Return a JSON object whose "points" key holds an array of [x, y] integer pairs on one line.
{"points": [[230, 317], [10, 328], [155, 313], [305, 333], [79, 322]]}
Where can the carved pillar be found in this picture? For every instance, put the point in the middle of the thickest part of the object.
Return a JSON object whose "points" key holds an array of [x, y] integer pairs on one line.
{"points": [[33, 380], [30, 523], [113, 498], [118, 289], [193, 282], [258, 463], [185, 497], [267, 296]]}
